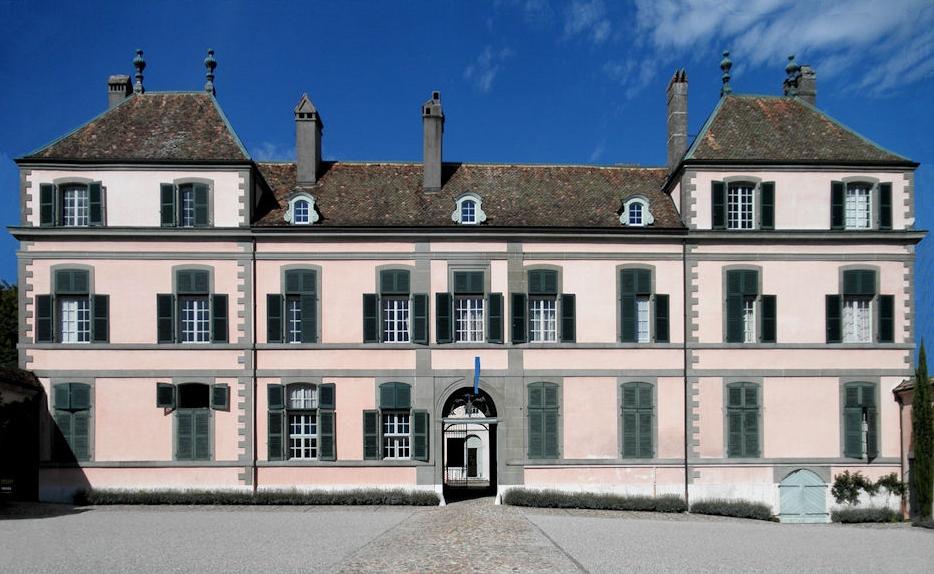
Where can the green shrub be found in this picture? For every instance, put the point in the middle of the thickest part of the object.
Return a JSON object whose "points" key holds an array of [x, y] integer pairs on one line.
{"points": [[263, 497], [871, 514], [924, 524], [734, 508], [592, 500]]}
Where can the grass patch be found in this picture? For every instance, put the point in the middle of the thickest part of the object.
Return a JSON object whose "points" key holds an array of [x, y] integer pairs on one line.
{"points": [[862, 515], [592, 501], [734, 508], [397, 497]]}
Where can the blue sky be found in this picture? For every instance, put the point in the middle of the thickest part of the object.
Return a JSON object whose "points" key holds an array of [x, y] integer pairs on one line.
{"points": [[525, 81]]}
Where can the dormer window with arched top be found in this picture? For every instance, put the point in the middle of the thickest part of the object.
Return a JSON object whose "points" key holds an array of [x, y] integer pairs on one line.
{"points": [[301, 210], [636, 213], [468, 210]]}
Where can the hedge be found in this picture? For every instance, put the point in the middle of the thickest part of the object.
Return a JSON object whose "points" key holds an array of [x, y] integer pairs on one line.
{"points": [[734, 508], [871, 514], [592, 500], [262, 497]]}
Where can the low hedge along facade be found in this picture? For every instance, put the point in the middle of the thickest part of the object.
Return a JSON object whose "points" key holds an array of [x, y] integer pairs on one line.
{"points": [[264, 497], [592, 501], [862, 515], [734, 508]]}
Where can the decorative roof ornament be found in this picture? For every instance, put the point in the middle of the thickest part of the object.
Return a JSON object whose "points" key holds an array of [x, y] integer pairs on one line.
{"points": [[793, 71], [210, 63], [725, 65], [140, 64]]}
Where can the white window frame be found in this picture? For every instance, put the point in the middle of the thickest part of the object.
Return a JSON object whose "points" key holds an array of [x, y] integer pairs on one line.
{"points": [[741, 205], [291, 213], [293, 318], [469, 323], [750, 319], [396, 315], [543, 319], [75, 319], [301, 413], [856, 319], [854, 208], [646, 217], [396, 434], [76, 205], [478, 214], [186, 205], [196, 326], [643, 318]]}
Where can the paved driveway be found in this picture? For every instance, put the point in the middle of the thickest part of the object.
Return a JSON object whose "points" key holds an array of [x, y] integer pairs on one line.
{"points": [[472, 536]]}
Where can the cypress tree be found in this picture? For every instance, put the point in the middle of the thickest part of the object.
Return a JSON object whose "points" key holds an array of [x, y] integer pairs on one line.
{"points": [[922, 427]]}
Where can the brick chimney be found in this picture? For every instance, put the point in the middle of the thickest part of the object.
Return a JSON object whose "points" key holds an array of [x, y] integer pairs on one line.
{"points": [[433, 124], [119, 88], [677, 117], [308, 128]]}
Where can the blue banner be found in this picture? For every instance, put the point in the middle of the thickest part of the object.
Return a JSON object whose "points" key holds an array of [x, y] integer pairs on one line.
{"points": [[476, 376]]}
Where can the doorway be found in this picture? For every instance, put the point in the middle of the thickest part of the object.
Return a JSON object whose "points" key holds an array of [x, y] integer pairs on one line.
{"points": [[469, 444]]}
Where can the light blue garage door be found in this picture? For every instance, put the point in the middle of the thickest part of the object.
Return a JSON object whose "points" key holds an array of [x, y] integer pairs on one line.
{"points": [[803, 498]]}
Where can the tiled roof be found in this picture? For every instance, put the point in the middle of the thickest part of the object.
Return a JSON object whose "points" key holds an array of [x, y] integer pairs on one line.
{"points": [[183, 126], [391, 194], [781, 129]]}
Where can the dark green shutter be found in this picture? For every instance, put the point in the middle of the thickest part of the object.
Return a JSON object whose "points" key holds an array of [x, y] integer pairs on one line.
{"points": [[275, 397], [645, 444], [45, 333], [201, 204], [627, 318], [326, 396], [275, 403], [543, 282], [370, 435], [193, 281], [420, 433], [420, 318], [81, 434], [536, 433], [370, 318], [72, 282], [550, 446], [184, 435], [734, 318], [394, 282], [751, 433], [62, 441], [308, 305], [859, 282], [568, 318], [326, 446], [543, 420], [834, 306], [718, 207], [202, 434], [837, 210], [885, 206], [95, 204], [550, 395], [220, 397], [520, 314], [219, 318], [167, 203], [165, 395], [101, 309], [61, 396], [468, 282], [633, 282], [274, 318], [767, 205], [852, 432], [494, 329], [387, 396], [735, 433], [769, 319], [293, 281], [46, 204], [444, 324], [80, 396], [536, 396], [403, 396], [661, 319], [886, 318], [872, 436], [630, 434]]}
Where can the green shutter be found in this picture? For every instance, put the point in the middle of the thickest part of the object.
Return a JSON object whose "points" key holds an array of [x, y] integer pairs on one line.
{"points": [[662, 330], [219, 318], [326, 446], [630, 433], [45, 333], [751, 433], [550, 395], [202, 435], [859, 282], [184, 435], [769, 319], [872, 437], [387, 396], [494, 328], [62, 441], [550, 443], [370, 318], [326, 396], [46, 204], [444, 325], [420, 438], [201, 204], [165, 395], [192, 281], [520, 314], [308, 305], [767, 205], [371, 435], [645, 444], [885, 206], [543, 282], [735, 433], [734, 319], [167, 203], [468, 282], [834, 306], [275, 444], [837, 213], [101, 310], [61, 396], [536, 433], [718, 204], [627, 318], [80, 396], [95, 204], [275, 397], [536, 396], [81, 434], [293, 281], [394, 282], [568, 319], [852, 432], [886, 318], [403, 396], [72, 282], [220, 397], [274, 318], [420, 318]]}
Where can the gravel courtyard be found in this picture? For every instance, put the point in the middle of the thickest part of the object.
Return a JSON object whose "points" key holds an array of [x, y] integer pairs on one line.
{"points": [[471, 536]]}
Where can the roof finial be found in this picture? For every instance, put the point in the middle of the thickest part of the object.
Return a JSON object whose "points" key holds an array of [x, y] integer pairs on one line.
{"points": [[210, 63], [793, 74], [725, 65], [140, 64]]}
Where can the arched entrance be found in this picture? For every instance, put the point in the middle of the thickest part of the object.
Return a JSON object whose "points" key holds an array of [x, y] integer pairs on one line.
{"points": [[469, 443], [803, 498]]}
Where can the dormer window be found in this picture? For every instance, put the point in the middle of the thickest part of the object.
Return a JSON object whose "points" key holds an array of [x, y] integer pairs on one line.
{"points": [[301, 210], [636, 213], [468, 210]]}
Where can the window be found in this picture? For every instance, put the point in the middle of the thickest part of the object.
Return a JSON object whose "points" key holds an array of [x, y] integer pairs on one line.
{"points": [[192, 314], [542, 410], [739, 206], [395, 431], [72, 404], [301, 421], [469, 314], [72, 313], [860, 421], [636, 213], [750, 317], [638, 420], [742, 420], [71, 204], [543, 316], [395, 315], [185, 205], [734, 205], [859, 314], [301, 210], [395, 320], [860, 205], [857, 208], [468, 210], [292, 317], [193, 422], [469, 318], [643, 315]]}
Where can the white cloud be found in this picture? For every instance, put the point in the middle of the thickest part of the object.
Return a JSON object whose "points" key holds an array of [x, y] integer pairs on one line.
{"points": [[269, 151], [484, 70], [597, 152], [587, 19]]}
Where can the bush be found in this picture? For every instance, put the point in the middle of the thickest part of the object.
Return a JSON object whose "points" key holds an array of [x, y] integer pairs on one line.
{"points": [[871, 514], [592, 500], [734, 508], [263, 497]]}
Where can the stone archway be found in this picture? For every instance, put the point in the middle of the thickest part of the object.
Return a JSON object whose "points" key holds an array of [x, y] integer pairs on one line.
{"points": [[469, 442]]}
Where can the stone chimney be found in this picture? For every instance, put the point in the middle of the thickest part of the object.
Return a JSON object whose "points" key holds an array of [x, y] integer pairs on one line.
{"points": [[677, 117], [800, 81], [119, 88], [308, 128], [433, 124]]}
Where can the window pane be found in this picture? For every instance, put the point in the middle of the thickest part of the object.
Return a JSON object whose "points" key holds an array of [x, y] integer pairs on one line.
{"points": [[396, 320], [857, 320], [301, 212], [635, 213], [396, 435], [75, 206], [187, 206], [749, 319], [75, 320], [196, 320], [543, 316], [468, 211], [294, 317], [303, 397], [739, 207], [857, 206], [303, 435], [642, 319], [469, 318]]}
